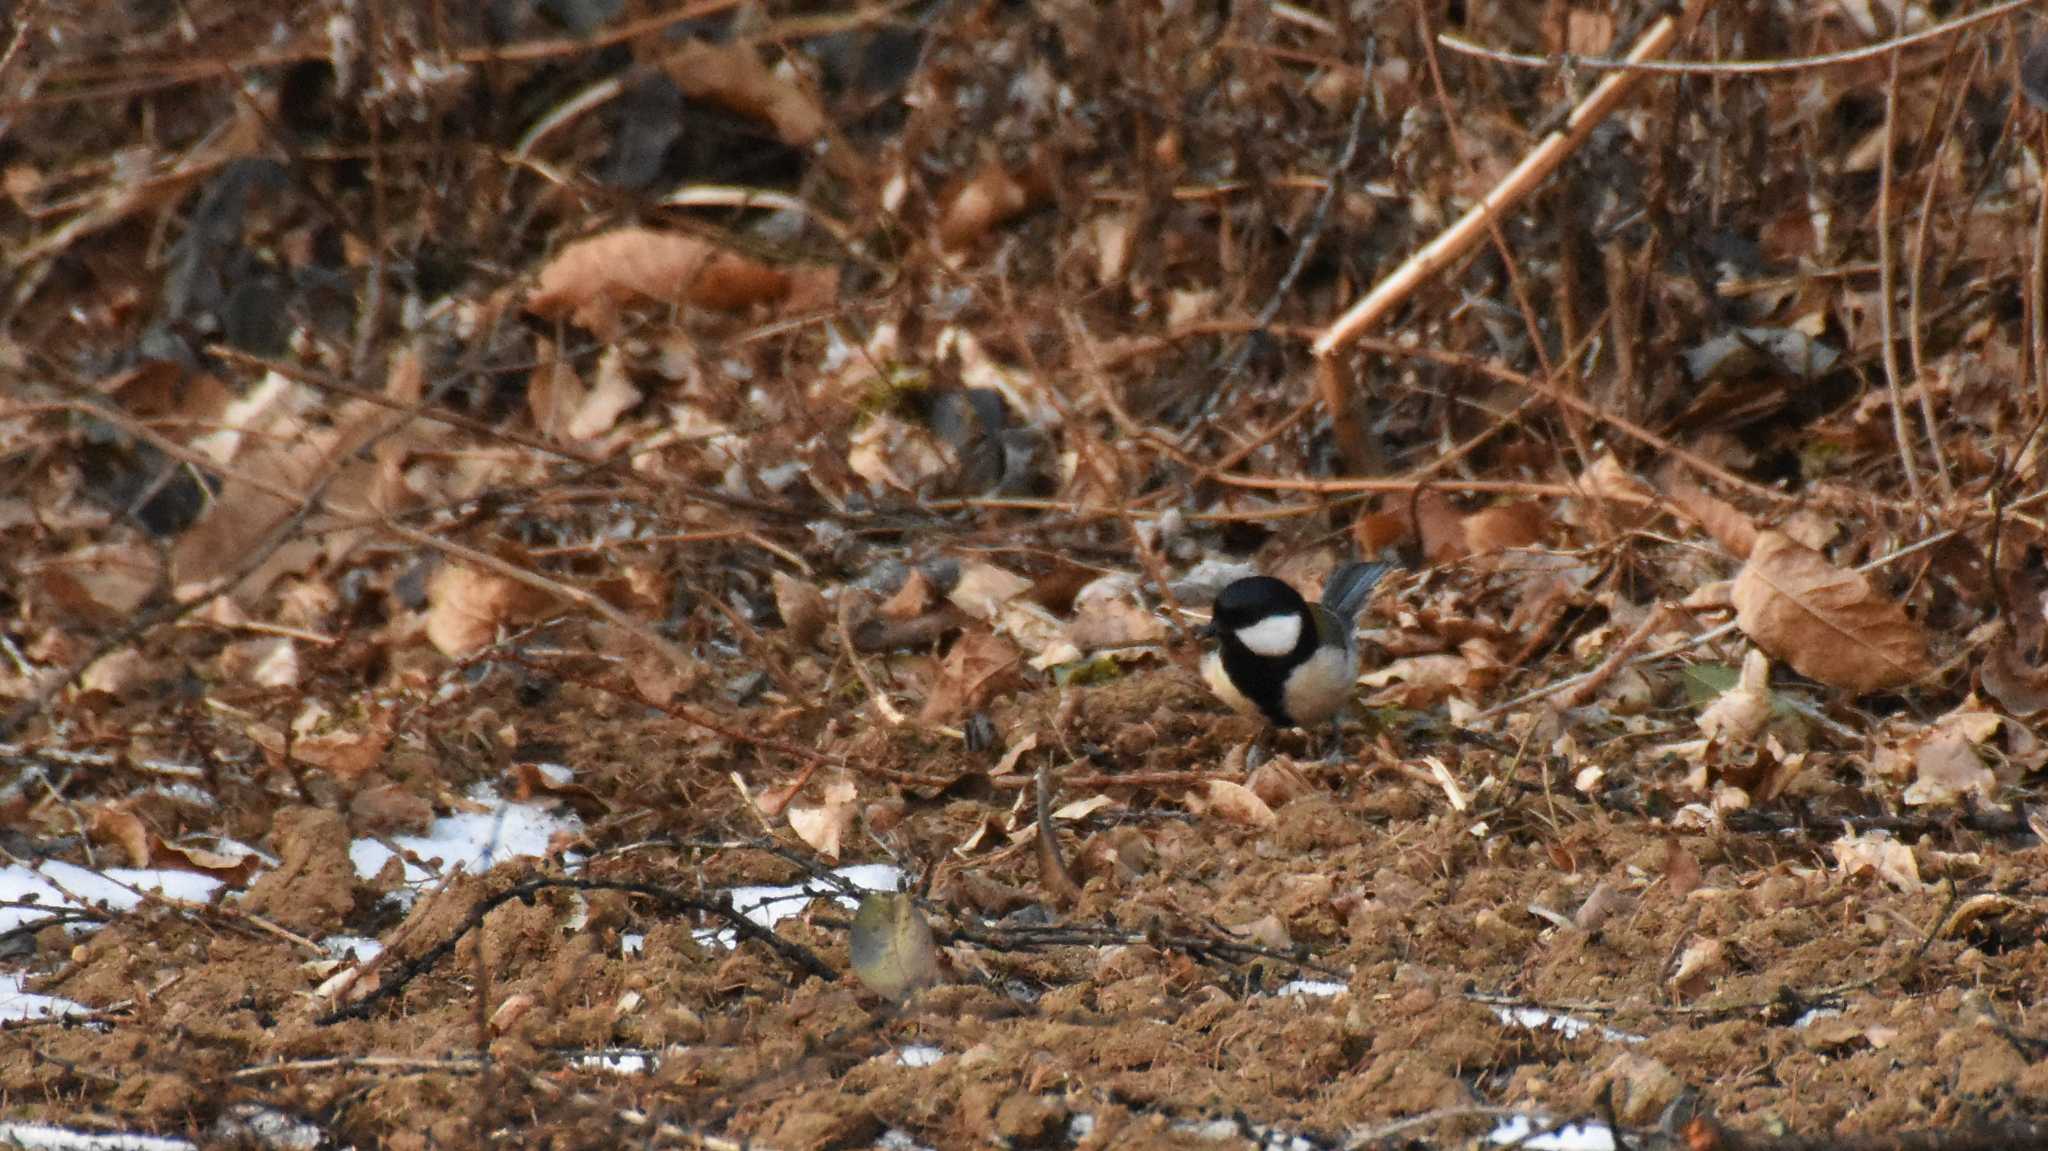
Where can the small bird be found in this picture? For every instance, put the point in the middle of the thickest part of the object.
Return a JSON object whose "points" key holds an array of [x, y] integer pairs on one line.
{"points": [[1286, 659]]}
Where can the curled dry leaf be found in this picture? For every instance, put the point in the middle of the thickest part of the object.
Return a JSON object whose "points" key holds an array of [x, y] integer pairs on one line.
{"points": [[1729, 525], [267, 661], [990, 198], [1739, 714], [802, 607], [347, 753], [824, 825], [891, 946], [1505, 526], [1276, 781], [1826, 622], [117, 825], [466, 606], [1880, 854], [589, 278], [1946, 763], [733, 75], [980, 665], [1701, 960], [2019, 684], [1234, 802], [101, 581], [983, 589]]}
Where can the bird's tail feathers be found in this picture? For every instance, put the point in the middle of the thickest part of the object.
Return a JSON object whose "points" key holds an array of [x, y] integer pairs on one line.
{"points": [[1347, 588]]}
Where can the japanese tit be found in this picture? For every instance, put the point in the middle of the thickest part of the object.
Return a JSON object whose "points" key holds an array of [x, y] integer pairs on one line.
{"points": [[1281, 657]]}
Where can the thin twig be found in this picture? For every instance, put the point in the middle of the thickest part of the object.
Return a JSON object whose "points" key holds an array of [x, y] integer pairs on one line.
{"points": [[1631, 63], [1887, 286]]}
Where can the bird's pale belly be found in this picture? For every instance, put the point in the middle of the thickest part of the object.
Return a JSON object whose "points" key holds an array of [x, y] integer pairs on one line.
{"points": [[1316, 691], [1321, 687]]}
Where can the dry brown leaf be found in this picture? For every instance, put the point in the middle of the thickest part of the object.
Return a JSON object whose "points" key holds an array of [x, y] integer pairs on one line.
{"points": [[1112, 621], [1945, 769], [1277, 781], [912, 600], [347, 753], [984, 588], [802, 607], [824, 824], [732, 75], [990, 198], [590, 278], [467, 606], [1739, 714], [117, 825], [1234, 802], [1420, 681], [1877, 852], [980, 665], [611, 397], [233, 869], [1701, 960], [1505, 526], [100, 582], [267, 661], [118, 673], [1828, 623], [1946, 763], [2018, 684], [1729, 525]]}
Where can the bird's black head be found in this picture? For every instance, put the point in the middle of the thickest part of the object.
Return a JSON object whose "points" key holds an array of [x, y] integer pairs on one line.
{"points": [[1263, 614]]}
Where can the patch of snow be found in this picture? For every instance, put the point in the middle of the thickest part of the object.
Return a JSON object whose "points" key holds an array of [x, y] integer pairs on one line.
{"points": [[361, 949], [47, 882], [1522, 1131], [769, 906], [474, 840], [1570, 1026], [1313, 988], [17, 1004], [253, 1125], [919, 1055], [615, 1062], [1814, 1015], [43, 1137]]}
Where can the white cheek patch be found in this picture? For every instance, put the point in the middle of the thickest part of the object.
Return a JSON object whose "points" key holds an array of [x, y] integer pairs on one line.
{"points": [[1272, 636]]}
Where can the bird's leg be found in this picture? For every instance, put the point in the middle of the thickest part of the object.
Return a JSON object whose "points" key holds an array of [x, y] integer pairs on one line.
{"points": [[1255, 755], [1336, 752]]}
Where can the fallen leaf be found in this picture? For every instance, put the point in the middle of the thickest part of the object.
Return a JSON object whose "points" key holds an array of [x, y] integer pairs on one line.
{"points": [[101, 581], [1277, 781], [267, 661], [590, 278], [734, 76], [991, 197], [467, 606], [824, 825], [1505, 526], [802, 607], [979, 665], [1828, 623], [2018, 684], [891, 947], [1236, 803], [1739, 714], [1883, 856], [983, 589], [116, 824], [1729, 525]]}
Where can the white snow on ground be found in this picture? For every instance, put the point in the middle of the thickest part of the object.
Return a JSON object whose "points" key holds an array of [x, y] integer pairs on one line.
{"points": [[769, 906], [475, 840], [1521, 1131]]}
